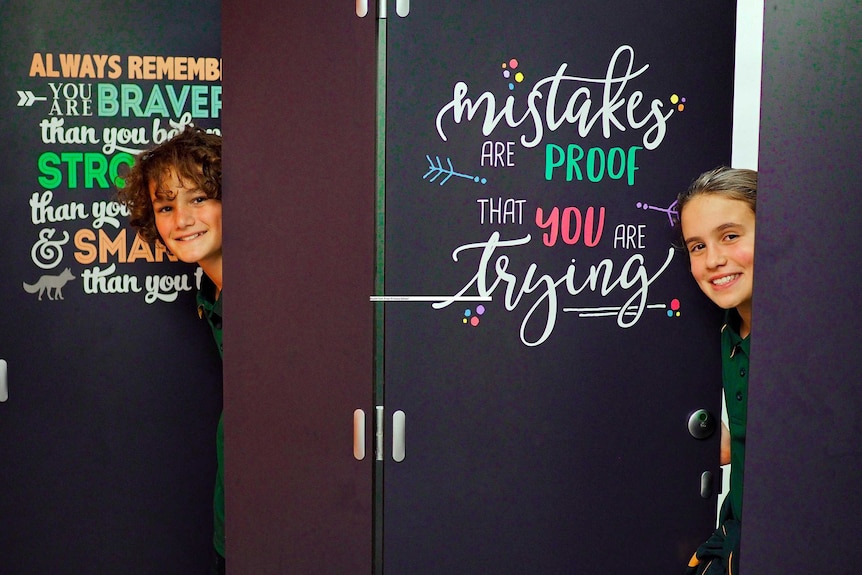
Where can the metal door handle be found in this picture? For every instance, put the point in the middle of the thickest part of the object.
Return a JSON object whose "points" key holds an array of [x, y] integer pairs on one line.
{"points": [[4, 383], [706, 484], [359, 434], [398, 436], [701, 424]]}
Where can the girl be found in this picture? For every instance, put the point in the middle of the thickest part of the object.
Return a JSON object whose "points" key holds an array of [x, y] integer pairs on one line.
{"points": [[717, 216]]}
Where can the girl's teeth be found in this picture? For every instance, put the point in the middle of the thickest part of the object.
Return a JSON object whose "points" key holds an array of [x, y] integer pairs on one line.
{"points": [[725, 280]]}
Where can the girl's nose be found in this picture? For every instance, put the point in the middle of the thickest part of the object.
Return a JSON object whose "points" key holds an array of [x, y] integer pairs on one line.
{"points": [[716, 258]]}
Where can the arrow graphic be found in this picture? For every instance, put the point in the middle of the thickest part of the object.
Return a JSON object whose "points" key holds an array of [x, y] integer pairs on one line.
{"points": [[27, 98], [439, 170]]}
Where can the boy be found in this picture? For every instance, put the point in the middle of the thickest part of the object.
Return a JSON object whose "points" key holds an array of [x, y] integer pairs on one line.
{"points": [[174, 195]]}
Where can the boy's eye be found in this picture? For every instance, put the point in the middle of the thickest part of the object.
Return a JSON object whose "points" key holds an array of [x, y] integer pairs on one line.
{"points": [[695, 248], [731, 236], [163, 209]]}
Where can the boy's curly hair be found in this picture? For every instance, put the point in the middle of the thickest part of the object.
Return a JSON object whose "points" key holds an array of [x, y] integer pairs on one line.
{"points": [[193, 153]]}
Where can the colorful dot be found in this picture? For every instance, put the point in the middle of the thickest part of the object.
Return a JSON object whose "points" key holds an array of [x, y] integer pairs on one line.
{"points": [[504, 65], [511, 86], [513, 63], [480, 309], [519, 77], [506, 73], [674, 304], [674, 99], [467, 313], [474, 321], [464, 321], [669, 314]]}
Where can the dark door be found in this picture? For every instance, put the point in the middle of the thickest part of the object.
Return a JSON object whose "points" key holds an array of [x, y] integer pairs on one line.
{"points": [[544, 343], [299, 258], [107, 439], [803, 463]]}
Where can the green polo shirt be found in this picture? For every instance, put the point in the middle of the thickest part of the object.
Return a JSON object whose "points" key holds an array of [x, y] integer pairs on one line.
{"points": [[210, 308], [735, 354]]}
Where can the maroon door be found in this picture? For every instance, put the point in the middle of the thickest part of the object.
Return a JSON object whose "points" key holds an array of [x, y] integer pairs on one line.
{"points": [[299, 261]]}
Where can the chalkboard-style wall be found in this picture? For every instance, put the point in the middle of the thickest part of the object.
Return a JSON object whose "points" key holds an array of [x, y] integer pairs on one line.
{"points": [[543, 339], [107, 440]]}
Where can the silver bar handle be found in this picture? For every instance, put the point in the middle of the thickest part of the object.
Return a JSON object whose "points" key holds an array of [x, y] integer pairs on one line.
{"points": [[4, 382], [359, 435], [398, 436]]}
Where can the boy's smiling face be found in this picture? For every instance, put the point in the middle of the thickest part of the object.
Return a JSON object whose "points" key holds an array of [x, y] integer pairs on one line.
{"points": [[188, 221], [719, 236]]}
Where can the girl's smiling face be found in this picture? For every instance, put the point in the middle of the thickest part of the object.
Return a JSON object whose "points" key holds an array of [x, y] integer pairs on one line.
{"points": [[719, 235]]}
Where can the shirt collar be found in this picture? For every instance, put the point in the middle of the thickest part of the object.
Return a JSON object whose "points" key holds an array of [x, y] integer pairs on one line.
{"points": [[730, 330], [207, 302]]}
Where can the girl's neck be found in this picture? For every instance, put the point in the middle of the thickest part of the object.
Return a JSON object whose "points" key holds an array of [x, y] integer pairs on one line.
{"points": [[744, 312]]}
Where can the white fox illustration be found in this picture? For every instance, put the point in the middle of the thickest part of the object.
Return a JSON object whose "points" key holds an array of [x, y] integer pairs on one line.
{"points": [[47, 283]]}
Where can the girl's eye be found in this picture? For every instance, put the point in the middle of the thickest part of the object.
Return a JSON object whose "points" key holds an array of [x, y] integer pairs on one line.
{"points": [[163, 210], [695, 248], [731, 236], [200, 199]]}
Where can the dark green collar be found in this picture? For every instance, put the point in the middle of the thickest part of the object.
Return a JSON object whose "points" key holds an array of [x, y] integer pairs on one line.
{"points": [[730, 330], [207, 302]]}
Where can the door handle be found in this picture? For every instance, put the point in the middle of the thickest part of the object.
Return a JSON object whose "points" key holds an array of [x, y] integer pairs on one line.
{"points": [[359, 435], [706, 484], [701, 424], [398, 436], [4, 383]]}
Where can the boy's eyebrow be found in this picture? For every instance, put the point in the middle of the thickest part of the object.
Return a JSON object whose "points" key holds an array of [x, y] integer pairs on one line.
{"points": [[168, 194], [164, 195]]}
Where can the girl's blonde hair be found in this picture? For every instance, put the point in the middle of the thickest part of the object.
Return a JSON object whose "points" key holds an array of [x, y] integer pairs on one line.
{"points": [[734, 183]]}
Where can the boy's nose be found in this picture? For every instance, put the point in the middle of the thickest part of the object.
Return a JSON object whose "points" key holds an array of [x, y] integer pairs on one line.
{"points": [[184, 217]]}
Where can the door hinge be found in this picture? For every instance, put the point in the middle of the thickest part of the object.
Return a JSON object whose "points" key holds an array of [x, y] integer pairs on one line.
{"points": [[378, 433]]}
